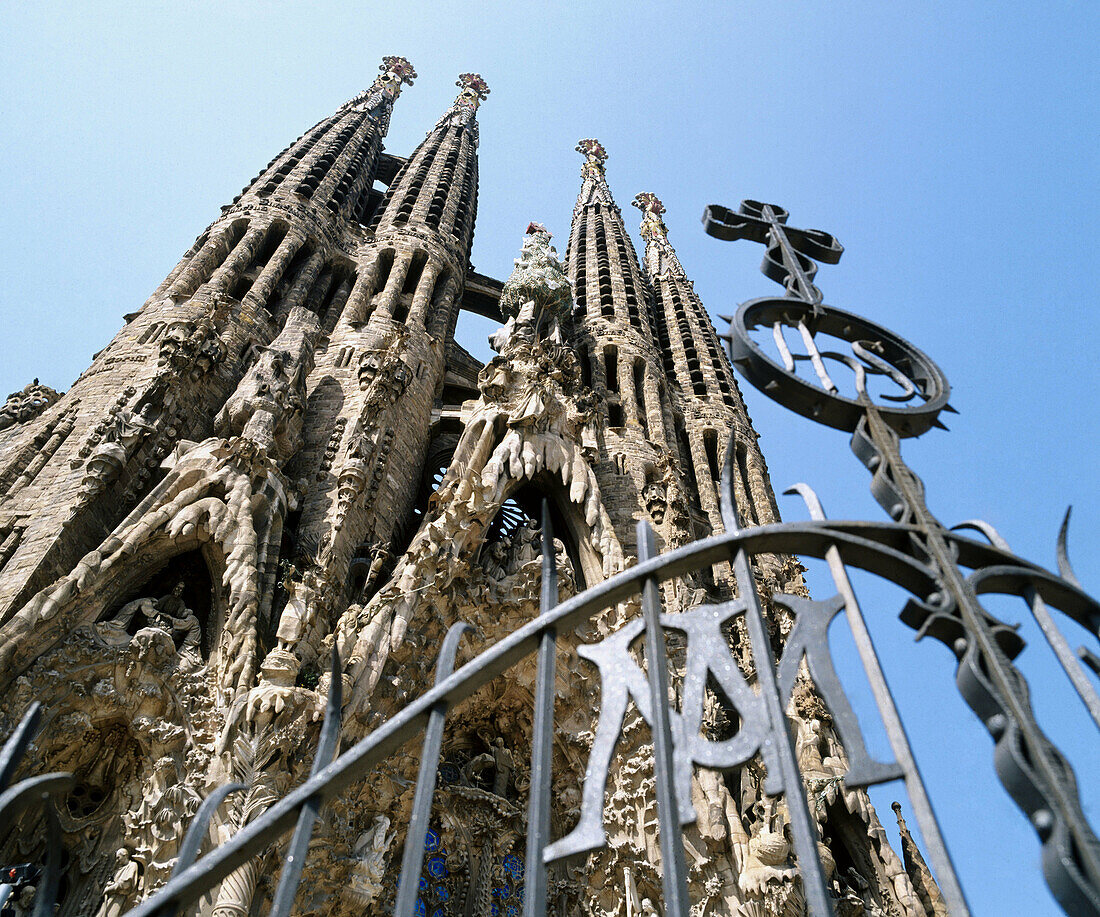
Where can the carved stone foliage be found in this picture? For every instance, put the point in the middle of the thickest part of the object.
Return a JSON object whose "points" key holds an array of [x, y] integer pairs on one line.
{"points": [[27, 404], [537, 294]]}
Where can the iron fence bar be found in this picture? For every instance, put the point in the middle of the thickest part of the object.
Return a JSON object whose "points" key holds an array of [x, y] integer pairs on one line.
{"points": [[542, 732], [327, 747], [673, 864], [51, 874], [925, 814], [1089, 658], [1053, 633], [412, 860], [872, 550], [777, 749]]}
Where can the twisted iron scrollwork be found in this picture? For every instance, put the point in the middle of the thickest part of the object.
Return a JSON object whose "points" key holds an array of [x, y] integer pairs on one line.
{"points": [[1032, 770]]}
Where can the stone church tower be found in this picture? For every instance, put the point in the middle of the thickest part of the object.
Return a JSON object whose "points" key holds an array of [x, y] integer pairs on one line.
{"points": [[285, 451]]}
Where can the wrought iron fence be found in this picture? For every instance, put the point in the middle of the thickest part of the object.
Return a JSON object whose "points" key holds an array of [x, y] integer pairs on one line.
{"points": [[944, 571]]}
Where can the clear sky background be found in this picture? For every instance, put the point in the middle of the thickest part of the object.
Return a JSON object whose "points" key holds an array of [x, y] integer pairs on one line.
{"points": [[950, 146]]}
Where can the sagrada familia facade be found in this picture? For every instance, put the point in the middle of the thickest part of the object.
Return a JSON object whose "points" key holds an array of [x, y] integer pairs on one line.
{"points": [[285, 451]]}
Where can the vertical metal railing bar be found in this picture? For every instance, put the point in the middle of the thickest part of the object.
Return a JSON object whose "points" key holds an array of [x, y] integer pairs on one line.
{"points": [[46, 897], [542, 733], [778, 747], [673, 864], [1053, 633], [327, 747], [895, 730], [412, 860]]}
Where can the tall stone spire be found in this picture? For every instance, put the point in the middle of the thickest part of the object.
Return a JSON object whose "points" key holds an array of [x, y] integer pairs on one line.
{"points": [[385, 360], [594, 188], [436, 189], [278, 248], [614, 334], [332, 165], [700, 371]]}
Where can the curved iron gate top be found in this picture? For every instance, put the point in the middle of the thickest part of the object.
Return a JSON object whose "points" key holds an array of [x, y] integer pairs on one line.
{"points": [[944, 571]]}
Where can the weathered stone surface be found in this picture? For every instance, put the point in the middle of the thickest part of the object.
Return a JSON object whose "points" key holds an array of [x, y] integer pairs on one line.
{"points": [[285, 450]]}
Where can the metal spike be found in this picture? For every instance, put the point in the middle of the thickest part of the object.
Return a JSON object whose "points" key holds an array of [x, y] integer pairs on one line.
{"points": [[1064, 566], [1089, 658], [949, 409], [939, 424], [728, 505], [12, 752]]}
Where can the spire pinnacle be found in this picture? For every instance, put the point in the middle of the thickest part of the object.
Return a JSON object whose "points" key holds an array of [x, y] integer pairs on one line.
{"points": [[594, 189], [378, 98], [594, 158], [398, 69], [474, 90], [660, 256], [472, 85], [653, 227]]}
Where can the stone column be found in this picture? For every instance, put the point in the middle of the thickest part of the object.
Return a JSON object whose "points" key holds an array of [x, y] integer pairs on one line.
{"points": [[239, 259], [201, 266], [264, 285], [402, 261], [303, 283], [336, 307], [423, 296]]}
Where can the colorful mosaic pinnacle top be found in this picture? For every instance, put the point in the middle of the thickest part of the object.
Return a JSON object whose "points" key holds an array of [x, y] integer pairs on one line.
{"points": [[472, 84], [400, 68], [653, 227], [595, 156]]}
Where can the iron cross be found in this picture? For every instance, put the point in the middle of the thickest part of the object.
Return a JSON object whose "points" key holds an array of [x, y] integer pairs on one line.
{"points": [[791, 252]]}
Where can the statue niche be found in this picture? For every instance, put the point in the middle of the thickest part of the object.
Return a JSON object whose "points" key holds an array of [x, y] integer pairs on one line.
{"points": [[177, 600]]}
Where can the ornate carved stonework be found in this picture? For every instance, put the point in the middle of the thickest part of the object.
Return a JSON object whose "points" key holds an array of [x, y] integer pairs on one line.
{"points": [[26, 404], [287, 453]]}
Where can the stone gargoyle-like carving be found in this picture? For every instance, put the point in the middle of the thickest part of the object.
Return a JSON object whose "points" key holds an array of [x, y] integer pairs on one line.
{"points": [[26, 404], [193, 346]]}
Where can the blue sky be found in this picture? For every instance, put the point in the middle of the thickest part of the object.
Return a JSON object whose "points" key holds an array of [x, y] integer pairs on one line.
{"points": [[951, 147]]}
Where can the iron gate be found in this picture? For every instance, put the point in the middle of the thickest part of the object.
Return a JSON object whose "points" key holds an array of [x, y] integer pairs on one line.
{"points": [[944, 571]]}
